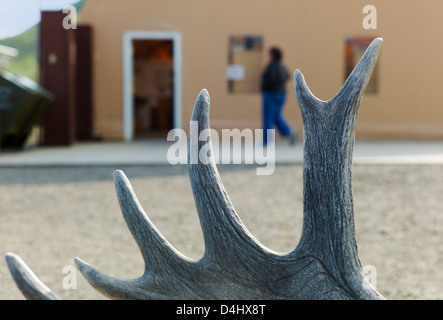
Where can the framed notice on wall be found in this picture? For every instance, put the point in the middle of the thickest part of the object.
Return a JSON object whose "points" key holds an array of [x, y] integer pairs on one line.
{"points": [[245, 59]]}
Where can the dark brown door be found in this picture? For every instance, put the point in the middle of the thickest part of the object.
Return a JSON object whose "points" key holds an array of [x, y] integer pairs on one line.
{"points": [[57, 75]]}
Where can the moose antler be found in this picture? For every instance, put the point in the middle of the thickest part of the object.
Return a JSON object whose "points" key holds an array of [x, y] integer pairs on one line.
{"points": [[325, 264], [28, 283]]}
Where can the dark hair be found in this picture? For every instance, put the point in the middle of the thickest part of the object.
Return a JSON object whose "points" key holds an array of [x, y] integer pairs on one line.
{"points": [[276, 54]]}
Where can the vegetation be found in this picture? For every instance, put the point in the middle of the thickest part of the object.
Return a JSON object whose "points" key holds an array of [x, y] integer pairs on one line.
{"points": [[26, 63]]}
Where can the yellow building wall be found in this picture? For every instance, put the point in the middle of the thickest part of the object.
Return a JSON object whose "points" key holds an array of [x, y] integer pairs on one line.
{"points": [[311, 33]]}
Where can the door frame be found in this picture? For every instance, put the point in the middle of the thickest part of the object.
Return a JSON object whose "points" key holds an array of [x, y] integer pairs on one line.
{"points": [[128, 76]]}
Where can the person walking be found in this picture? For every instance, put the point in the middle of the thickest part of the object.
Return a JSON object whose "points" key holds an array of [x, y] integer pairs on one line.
{"points": [[273, 89]]}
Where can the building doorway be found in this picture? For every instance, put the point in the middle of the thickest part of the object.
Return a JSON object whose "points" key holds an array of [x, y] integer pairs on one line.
{"points": [[152, 84], [153, 87]]}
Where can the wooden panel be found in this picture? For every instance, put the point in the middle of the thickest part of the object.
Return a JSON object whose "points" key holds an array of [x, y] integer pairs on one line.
{"points": [[57, 74]]}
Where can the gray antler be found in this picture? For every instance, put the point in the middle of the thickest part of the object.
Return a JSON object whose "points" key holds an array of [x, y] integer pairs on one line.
{"points": [[28, 283], [329, 131], [325, 264]]}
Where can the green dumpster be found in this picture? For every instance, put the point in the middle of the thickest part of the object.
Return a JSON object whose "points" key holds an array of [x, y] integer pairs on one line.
{"points": [[22, 105]]}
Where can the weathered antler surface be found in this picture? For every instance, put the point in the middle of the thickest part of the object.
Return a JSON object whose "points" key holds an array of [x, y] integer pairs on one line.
{"points": [[28, 283], [325, 264]]}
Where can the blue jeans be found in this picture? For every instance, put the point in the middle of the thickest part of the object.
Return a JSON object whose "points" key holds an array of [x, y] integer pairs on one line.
{"points": [[273, 103]]}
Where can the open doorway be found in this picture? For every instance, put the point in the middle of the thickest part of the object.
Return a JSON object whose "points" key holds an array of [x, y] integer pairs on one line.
{"points": [[153, 87], [152, 80]]}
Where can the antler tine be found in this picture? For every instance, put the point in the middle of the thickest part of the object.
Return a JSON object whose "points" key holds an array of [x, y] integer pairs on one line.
{"points": [[305, 98], [159, 255], [355, 85], [115, 288], [111, 287], [156, 250], [28, 283], [223, 230]]}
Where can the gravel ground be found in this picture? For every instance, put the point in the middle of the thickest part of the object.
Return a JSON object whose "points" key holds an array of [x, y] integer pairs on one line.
{"points": [[48, 216]]}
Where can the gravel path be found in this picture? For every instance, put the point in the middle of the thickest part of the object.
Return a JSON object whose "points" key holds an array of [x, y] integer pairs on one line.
{"points": [[48, 216]]}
